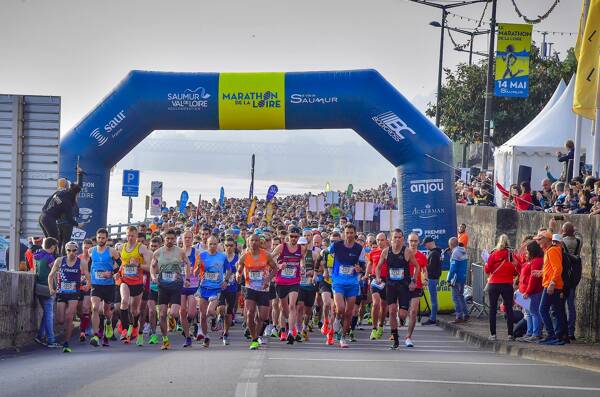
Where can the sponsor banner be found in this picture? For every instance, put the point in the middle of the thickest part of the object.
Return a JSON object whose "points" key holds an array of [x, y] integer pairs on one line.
{"points": [[251, 211], [512, 60], [183, 200], [272, 192], [309, 99], [391, 123], [189, 99], [251, 101], [444, 294], [110, 130]]}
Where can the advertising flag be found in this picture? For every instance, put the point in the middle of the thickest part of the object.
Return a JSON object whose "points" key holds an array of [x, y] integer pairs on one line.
{"points": [[349, 190], [586, 79], [183, 201], [512, 60], [269, 212], [251, 211], [222, 197], [327, 187], [272, 192]]}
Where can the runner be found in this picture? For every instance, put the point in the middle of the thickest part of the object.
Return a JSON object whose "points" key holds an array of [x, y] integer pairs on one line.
{"points": [[289, 263], [103, 267], [228, 297], [86, 297], [257, 266], [188, 306], [379, 307], [400, 282], [135, 259], [155, 244], [326, 268], [69, 270], [166, 272], [308, 289], [348, 263], [212, 280], [420, 276]]}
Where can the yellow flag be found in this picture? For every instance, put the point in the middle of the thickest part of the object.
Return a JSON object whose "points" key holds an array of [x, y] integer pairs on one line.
{"points": [[584, 8], [269, 212], [251, 210], [327, 187], [586, 81]]}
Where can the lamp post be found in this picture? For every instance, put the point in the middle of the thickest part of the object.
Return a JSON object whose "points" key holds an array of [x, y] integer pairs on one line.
{"points": [[472, 35]]}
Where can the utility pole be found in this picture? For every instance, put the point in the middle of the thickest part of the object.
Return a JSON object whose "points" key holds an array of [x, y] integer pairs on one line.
{"points": [[489, 92]]}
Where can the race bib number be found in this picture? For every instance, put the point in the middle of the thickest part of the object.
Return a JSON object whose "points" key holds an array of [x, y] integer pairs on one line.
{"points": [[288, 272], [346, 270], [256, 275], [396, 273], [69, 286], [211, 276], [169, 277], [100, 275], [131, 270]]}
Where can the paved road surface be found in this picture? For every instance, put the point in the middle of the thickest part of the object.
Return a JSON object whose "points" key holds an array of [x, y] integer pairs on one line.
{"points": [[439, 365]]}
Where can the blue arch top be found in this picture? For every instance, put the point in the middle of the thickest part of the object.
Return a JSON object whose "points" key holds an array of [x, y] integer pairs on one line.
{"points": [[359, 99]]}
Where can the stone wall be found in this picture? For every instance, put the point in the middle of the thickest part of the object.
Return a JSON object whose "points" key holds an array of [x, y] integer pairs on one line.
{"points": [[486, 224], [18, 311]]}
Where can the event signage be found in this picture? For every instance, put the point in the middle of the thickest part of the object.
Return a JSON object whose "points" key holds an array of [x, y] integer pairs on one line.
{"points": [[349, 190], [156, 190], [272, 192], [131, 183], [222, 197], [512, 60], [183, 199]]}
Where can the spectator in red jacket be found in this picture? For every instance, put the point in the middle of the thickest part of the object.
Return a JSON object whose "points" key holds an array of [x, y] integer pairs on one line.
{"points": [[502, 269], [531, 288], [35, 244], [524, 201]]}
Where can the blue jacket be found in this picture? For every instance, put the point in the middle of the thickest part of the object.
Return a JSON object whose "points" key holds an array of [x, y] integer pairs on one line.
{"points": [[458, 265]]}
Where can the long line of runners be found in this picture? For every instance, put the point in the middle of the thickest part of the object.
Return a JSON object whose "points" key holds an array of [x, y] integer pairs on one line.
{"points": [[288, 286]]}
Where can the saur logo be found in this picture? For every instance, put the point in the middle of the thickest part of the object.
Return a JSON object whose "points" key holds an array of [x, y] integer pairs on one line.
{"points": [[267, 99], [393, 125], [189, 99], [110, 129], [427, 185]]}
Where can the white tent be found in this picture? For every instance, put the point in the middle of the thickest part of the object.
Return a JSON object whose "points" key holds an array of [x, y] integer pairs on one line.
{"points": [[536, 144]]}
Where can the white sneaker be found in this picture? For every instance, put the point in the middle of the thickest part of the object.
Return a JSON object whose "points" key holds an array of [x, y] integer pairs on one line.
{"points": [[343, 343], [408, 342], [492, 337], [274, 332], [261, 341], [268, 330], [146, 328], [337, 325]]}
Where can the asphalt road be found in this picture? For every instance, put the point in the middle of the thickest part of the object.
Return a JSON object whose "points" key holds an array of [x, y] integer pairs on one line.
{"points": [[438, 365]]}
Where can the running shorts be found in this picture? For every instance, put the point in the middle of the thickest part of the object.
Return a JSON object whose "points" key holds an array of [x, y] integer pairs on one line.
{"points": [[65, 298], [261, 298], [417, 293], [347, 290], [209, 293], [228, 298], [284, 290], [188, 291], [397, 293], [153, 295], [106, 293], [381, 292], [272, 291], [134, 290], [145, 294], [307, 296], [325, 287], [169, 295]]}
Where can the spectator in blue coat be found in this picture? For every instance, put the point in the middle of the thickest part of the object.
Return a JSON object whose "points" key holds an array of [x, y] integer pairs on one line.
{"points": [[457, 277]]}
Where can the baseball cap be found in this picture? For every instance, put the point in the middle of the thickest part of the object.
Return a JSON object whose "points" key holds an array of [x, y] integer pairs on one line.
{"points": [[302, 240], [557, 237], [427, 240], [541, 235]]}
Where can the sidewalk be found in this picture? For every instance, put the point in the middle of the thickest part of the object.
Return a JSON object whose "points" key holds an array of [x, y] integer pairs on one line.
{"points": [[476, 331]]}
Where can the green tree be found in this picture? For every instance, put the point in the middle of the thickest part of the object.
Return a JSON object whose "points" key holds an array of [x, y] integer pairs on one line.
{"points": [[463, 98]]}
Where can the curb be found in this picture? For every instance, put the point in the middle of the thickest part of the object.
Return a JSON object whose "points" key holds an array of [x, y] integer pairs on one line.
{"points": [[529, 352]]}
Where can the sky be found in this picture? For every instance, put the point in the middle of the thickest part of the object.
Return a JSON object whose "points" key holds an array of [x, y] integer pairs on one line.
{"points": [[80, 49]]}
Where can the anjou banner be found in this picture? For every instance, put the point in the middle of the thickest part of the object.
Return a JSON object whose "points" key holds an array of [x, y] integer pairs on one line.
{"points": [[512, 60]]}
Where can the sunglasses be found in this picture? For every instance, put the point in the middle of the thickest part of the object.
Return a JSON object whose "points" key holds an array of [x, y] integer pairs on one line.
{"points": [[228, 245], [294, 236], [71, 250]]}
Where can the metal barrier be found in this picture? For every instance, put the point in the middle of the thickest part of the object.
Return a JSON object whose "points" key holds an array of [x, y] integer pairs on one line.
{"points": [[478, 281], [120, 229]]}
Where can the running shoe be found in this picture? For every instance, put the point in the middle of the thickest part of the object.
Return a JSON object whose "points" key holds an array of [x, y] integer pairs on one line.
{"points": [[95, 341], [105, 342], [329, 339], [199, 338], [305, 336], [108, 330], [298, 338], [429, 322], [153, 339], [130, 331], [268, 330], [206, 342], [188, 342], [337, 336], [140, 340], [135, 332], [66, 348], [290, 339], [82, 337], [408, 342], [165, 345], [337, 325], [262, 341], [39, 341], [274, 332], [225, 340], [283, 336], [247, 333], [379, 332], [127, 339], [343, 343], [147, 328], [352, 336], [373, 335], [325, 328], [492, 338], [179, 328], [53, 345], [254, 345], [395, 344]]}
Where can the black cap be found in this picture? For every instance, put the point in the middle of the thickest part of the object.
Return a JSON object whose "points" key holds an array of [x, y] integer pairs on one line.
{"points": [[427, 240]]}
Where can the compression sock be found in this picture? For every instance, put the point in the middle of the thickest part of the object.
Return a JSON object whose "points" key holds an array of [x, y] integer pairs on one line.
{"points": [[354, 322], [395, 335], [85, 322], [262, 329], [125, 319]]}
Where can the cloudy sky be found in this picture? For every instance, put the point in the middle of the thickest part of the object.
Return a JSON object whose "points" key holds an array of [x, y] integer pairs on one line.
{"points": [[80, 49]]}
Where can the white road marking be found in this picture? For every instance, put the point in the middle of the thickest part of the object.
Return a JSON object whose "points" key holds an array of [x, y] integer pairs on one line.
{"points": [[450, 382], [413, 362], [246, 389], [402, 350], [250, 373]]}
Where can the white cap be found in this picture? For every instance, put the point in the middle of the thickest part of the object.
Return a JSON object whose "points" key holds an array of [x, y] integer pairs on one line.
{"points": [[302, 240], [557, 237]]}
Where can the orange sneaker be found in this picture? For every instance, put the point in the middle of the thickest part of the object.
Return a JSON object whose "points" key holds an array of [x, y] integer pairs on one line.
{"points": [[294, 332], [283, 336], [135, 332], [325, 328], [329, 340]]}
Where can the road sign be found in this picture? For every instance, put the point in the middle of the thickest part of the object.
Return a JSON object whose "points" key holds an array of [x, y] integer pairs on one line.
{"points": [[131, 183]]}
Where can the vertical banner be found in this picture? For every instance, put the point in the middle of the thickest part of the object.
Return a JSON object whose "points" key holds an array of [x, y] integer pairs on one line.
{"points": [[272, 192], [183, 200], [349, 190], [156, 188], [222, 197], [512, 60], [586, 79], [251, 211], [269, 212], [327, 187]]}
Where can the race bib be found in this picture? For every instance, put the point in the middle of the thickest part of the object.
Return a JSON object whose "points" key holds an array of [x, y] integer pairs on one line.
{"points": [[169, 276], [396, 273], [211, 276], [131, 270], [305, 281], [346, 270], [288, 272], [99, 274], [69, 286], [256, 275]]}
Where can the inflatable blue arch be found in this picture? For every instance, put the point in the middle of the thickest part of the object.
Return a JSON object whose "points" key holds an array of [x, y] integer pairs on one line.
{"points": [[360, 99]]}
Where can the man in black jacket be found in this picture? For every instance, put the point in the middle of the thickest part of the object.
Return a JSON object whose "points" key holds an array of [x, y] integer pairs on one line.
{"points": [[434, 271]]}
